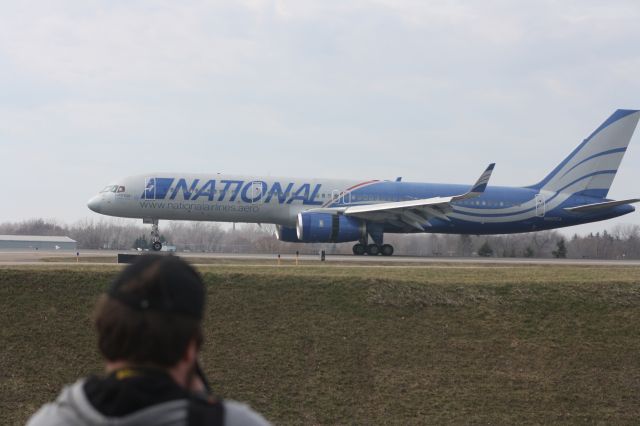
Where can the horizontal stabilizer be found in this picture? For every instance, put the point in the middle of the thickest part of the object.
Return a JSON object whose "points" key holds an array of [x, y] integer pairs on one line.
{"points": [[600, 206]]}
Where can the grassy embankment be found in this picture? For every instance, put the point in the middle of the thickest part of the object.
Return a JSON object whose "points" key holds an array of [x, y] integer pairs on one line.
{"points": [[367, 345]]}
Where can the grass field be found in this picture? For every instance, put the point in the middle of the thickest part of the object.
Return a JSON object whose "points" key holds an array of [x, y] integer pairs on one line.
{"points": [[364, 345]]}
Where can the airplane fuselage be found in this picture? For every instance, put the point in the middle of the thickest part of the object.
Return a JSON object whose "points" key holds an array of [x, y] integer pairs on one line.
{"points": [[232, 198]]}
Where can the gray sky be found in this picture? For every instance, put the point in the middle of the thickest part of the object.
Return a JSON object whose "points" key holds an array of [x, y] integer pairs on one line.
{"points": [[428, 90]]}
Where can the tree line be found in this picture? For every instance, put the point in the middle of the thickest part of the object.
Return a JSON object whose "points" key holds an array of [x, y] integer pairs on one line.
{"points": [[621, 242]]}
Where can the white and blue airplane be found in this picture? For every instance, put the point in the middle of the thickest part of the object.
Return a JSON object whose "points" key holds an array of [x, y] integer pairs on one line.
{"points": [[329, 210]]}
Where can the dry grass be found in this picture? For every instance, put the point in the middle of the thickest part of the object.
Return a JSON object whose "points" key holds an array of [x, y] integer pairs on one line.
{"points": [[366, 345]]}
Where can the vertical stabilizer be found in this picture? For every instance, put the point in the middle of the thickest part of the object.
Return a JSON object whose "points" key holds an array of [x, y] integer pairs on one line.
{"points": [[590, 168]]}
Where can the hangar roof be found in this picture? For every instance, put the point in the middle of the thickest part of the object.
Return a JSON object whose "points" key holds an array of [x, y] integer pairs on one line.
{"points": [[41, 238]]}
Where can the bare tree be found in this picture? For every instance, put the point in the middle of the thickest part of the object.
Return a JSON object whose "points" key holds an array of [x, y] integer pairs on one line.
{"points": [[622, 242]]}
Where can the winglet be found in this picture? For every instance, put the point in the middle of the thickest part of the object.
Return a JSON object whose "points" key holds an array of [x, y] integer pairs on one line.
{"points": [[480, 185], [483, 180]]}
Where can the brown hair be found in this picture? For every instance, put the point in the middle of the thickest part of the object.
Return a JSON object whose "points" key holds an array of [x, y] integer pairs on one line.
{"points": [[147, 336], [143, 337]]}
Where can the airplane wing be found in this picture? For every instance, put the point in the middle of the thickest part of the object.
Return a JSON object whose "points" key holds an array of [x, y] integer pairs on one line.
{"points": [[600, 206], [416, 213]]}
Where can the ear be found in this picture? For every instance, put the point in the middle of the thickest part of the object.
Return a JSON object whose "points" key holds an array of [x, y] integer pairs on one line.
{"points": [[191, 352]]}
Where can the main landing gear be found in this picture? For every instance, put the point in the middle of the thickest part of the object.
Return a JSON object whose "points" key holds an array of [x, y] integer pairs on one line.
{"points": [[373, 249]]}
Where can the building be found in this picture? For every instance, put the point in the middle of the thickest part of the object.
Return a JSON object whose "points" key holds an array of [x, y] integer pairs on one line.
{"points": [[36, 242]]}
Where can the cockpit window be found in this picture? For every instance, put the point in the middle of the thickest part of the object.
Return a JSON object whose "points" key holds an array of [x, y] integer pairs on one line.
{"points": [[111, 188], [121, 189]]}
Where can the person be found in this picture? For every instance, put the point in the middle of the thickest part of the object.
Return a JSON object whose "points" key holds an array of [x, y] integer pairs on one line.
{"points": [[149, 333]]}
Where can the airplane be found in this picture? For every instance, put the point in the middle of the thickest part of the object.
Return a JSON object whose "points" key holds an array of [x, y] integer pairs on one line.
{"points": [[337, 211]]}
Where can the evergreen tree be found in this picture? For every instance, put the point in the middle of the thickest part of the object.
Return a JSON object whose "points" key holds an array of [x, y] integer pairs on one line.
{"points": [[561, 250], [528, 252], [485, 250]]}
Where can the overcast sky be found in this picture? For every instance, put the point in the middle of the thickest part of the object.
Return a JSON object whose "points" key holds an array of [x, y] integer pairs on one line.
{"points": [[427, 90]]}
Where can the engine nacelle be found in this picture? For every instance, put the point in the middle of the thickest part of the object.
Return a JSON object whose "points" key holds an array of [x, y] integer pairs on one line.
{"points": [[329, 228], [288, 235]]}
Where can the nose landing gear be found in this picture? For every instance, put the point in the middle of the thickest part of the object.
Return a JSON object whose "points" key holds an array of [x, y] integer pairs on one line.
{"points": [[156, 245]]}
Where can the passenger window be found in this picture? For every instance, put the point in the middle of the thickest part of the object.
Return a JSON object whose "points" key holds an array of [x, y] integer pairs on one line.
{"points": [[121, 189]]}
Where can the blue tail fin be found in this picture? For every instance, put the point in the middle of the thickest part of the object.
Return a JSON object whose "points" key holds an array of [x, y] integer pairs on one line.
{"points": [[590, 168]]}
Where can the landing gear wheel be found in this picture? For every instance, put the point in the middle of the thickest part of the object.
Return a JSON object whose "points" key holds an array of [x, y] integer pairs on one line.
{"points": [[373, 250], [156, 245], [359, 249], [386, 249]]}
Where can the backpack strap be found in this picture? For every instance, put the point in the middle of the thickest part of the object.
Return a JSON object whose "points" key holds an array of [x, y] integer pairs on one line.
{"points": [[209, 412]]}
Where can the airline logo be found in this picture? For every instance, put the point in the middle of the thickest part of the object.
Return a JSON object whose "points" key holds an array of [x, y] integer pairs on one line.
{"points": [[159, 188]]}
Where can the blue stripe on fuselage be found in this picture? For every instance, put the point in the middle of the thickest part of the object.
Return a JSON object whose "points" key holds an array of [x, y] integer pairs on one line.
{"points": [[495, 198], [405, 191]]}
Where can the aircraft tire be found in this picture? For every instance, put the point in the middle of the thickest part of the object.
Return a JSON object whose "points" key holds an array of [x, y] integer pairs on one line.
{"points": [[359, 249], [386, 250], [156, 246], [373, 250]]}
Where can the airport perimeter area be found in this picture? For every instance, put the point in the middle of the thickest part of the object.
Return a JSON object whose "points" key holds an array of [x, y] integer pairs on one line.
{"points": [[342, 343]]}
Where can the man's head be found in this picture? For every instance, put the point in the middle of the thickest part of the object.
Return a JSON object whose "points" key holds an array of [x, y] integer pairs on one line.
{"points": [[151, 313]]}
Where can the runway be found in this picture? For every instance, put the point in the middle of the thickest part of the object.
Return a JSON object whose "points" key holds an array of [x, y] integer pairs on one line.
{"points": [[109, 257]]}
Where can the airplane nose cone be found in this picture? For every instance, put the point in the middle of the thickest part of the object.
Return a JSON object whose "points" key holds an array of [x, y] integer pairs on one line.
{"points": [[94, 204]]}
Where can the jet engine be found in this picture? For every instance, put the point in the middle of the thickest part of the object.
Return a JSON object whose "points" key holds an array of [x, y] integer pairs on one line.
{"points": [[329, 228], [287, 235]]}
